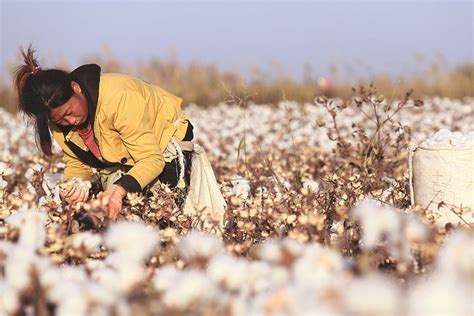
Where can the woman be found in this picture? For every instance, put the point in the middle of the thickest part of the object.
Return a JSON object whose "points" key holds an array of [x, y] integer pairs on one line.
{"points": [[117, 124]]}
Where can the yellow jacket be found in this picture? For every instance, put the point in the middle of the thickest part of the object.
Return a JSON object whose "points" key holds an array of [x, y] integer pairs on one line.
{"points": [[134, 122]]}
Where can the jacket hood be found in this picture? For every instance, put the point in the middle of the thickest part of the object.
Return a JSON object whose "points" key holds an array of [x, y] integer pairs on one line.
{"points": [[88, 77]]}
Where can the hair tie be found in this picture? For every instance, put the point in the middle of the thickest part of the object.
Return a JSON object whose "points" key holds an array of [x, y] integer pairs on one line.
{"points": [[35, 70]]}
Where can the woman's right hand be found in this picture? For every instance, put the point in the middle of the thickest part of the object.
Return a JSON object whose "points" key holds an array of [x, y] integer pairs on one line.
{"points": [[74, 190]]}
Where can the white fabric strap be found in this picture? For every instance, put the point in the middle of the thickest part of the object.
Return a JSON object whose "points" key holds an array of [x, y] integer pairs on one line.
{"points": [[411, 150]]}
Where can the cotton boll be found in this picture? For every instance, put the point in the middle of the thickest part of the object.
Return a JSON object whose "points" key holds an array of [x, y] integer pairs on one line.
{"points": [[9, 300], [311, 185], [5, 170], [61, 291], [290, 300], [317, 267], [280, 252], [31, 224], [98, 295], [74, 305], [198, 246], [122, 308], [94, 264], [372, 295], [271, 251], [19, 265], [5, 248], [165, 277], [132, 239], [73, 273], [129, 272], [455, 257], [228, 271], [90, 241], [240, 187], [70, 283], [31, 171], [3, 183], [49, 277], [107, 277], [440, 296], [414, 229], [236, 304], [192, 289], [377, 221], [99, 310], [52, 181], [272, 302], [263, 276]]}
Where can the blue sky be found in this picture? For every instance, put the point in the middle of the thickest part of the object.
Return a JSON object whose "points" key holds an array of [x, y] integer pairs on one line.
{"points": [[370, 36]]}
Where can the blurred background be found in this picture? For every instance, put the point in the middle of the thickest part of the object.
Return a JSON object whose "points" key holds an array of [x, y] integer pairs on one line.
{"points": [[270, 49]]}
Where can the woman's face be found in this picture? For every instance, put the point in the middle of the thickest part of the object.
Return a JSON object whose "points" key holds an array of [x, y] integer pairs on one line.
{"points": [[74, 111]]}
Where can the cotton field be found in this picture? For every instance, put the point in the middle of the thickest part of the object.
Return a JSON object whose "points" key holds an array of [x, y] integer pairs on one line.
{"points": [[311, 227]]}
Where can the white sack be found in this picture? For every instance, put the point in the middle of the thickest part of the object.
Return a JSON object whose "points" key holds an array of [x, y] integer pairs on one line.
{"points": [[204, 198], [443, 173]]}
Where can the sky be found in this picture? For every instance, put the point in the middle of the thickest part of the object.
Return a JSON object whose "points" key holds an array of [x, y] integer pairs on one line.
{"points": [[365, 36]]}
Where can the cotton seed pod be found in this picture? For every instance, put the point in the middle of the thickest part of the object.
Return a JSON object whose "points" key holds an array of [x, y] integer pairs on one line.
{"points": [[253, 212], [28, 197], [290, 219], [303, 219], [235, 201], [3, 232], [244, 214], [4, 213]]}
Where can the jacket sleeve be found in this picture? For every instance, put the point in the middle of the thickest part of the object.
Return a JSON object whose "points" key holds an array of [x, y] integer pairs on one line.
{"points": [[136, 132]]}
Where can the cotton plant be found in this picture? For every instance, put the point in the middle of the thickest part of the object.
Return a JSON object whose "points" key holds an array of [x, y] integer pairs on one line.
{"points": [[126, 264]]}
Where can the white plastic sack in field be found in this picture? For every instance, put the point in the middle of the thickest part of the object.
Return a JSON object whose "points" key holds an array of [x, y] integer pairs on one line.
{"points": [[442, 170], [204, 197]]}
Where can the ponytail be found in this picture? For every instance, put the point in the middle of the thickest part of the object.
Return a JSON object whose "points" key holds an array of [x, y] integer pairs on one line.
{"points": [[39, 91]]}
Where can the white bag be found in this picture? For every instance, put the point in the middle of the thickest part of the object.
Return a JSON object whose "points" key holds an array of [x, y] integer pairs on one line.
{"points": [[442, 173], [204, 198]]}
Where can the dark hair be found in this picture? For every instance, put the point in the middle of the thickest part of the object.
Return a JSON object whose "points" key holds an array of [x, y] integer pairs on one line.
{"points": [[39, 91]]}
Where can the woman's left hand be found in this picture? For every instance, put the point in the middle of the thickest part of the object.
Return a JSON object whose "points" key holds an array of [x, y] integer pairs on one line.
{"points": [[115, 193]]}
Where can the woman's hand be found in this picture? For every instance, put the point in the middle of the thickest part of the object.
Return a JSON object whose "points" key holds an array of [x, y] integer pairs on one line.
{"points": [[74, 190], [115, 194]]}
